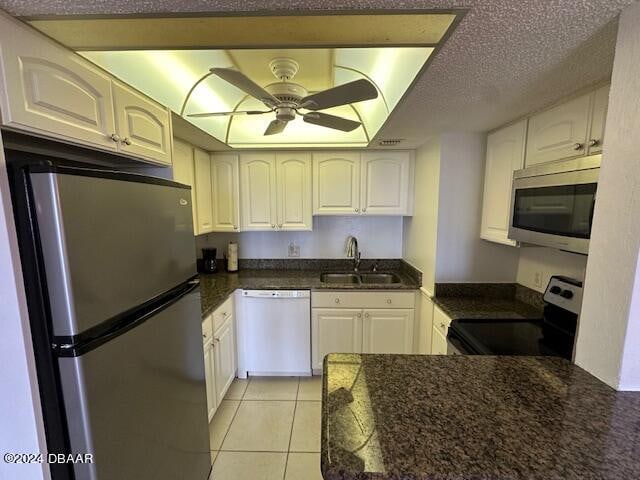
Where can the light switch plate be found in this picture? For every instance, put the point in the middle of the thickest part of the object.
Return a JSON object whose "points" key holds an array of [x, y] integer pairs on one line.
{"points": [[294, 250]]}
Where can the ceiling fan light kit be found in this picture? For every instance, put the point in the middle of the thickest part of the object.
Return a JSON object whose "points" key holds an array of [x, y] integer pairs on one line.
{"points": [[286, 98]]}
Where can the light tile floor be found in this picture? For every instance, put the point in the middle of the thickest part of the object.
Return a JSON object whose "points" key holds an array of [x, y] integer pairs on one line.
{"points": [[268, 429]]}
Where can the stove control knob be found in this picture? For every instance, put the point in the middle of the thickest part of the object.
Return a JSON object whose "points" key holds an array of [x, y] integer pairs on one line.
{"points": [[566, 294], [555, 289]]}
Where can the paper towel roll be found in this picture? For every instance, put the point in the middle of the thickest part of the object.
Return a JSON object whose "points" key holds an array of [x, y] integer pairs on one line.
{"points": [[232, 257]]}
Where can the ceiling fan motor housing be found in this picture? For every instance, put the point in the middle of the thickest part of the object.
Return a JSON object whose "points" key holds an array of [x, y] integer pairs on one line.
{"points": [[286, 92]]}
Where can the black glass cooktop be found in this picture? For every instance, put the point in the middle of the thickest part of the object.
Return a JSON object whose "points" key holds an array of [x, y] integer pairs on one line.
{"points": [[507, 337]]}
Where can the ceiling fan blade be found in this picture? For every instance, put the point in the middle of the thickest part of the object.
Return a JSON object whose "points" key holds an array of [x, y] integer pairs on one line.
{"points": [[221, 114], [276, 126], [330, 121], [244, 83], [351, 92]]}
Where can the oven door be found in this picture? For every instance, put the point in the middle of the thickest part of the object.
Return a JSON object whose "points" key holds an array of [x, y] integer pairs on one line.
{"points": [[554, 210], [456, 345]]}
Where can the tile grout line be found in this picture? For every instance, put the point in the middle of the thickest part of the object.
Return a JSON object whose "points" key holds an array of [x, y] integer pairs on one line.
{"points": [[231, 422], [295, 406]]}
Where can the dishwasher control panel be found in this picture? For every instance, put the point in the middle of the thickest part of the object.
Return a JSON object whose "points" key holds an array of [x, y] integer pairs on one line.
{"points": [[276, 293]]}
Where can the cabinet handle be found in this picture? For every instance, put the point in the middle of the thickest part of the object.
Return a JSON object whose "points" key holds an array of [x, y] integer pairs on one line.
{"points": [[359, 315], [578, 146], [273, 225], [235, 227], [389, 301], [337, 300], [442, 325], [366, 315], [356, 210], [126, 141], [204, 335], [280, 226], [593, 142], [115, 137], [216, 339], [364, 210]]}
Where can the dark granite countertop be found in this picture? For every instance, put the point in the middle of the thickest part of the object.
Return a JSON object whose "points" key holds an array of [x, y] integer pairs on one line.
{"points": [[461, 417], [216, 287], [489, 301]]}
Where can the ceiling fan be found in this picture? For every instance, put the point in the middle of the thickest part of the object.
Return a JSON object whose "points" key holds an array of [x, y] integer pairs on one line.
{"points": [[287, 99]]}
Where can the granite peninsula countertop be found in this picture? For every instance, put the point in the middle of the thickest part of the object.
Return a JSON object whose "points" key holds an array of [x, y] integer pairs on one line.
{"points": [[410, 417], [215, 288]]}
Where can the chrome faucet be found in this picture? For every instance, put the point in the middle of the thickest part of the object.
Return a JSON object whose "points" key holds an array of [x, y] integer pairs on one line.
{"points": [[353, 252]]}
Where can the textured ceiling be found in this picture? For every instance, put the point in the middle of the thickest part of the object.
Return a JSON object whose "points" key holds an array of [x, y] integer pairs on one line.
{"points": [[505, 59]]}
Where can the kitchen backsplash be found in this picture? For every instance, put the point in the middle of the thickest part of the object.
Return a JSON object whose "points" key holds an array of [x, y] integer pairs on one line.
{"points": [[378, 237]]}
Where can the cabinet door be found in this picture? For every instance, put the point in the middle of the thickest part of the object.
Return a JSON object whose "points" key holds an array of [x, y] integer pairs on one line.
{"points": [[334, 331], [209, 376], [558, 133], [336, 184], [441, 321], [144, 126], [439, 343], [53, 91], [225, 362], [505, 154], [598, 119], [258, 191], [294, 191], [183, 170], [387, 331], [385, 183], [225, 182], [204, 210]]}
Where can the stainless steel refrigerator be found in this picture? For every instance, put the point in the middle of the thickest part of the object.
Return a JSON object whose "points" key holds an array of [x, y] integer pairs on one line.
{"points": [[114, 303]]}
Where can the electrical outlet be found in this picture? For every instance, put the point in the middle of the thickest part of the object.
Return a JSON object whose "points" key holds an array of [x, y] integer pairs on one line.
{"points": [[537, 279], [294, 250]]}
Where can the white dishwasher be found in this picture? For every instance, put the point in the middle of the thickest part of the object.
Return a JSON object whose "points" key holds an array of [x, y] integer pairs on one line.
{"points": [[276, 332]]}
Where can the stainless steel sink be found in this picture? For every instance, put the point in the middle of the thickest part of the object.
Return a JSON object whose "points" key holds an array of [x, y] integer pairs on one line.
{"points": [[358, 278], [341, 278], [381, 278]]}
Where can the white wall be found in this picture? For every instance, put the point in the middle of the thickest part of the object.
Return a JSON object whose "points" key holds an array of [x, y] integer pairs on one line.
{"points": [[461, 255], [420, 231], [548, 262], [21, 426], [609, 323], [378, 237]]}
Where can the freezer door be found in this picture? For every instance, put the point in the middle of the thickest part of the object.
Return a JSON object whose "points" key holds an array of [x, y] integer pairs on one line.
{"points": [[138, 402], [109, 243]]}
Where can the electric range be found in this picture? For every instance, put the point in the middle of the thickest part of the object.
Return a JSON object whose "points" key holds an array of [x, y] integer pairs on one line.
{"points": [[553, 334]]}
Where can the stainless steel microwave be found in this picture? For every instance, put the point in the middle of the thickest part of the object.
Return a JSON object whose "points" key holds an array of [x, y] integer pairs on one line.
{"points": [[552, 204]]}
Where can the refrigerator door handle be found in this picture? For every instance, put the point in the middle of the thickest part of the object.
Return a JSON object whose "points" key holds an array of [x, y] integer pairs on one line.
{"points": [[86, 341]]}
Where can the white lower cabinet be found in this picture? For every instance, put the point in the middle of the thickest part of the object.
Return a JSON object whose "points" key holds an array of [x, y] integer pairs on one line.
{"points": [[225, 358], [387, 331], [361, 322], [209, 365], [334, 330], [441, 322], [219, 341]]}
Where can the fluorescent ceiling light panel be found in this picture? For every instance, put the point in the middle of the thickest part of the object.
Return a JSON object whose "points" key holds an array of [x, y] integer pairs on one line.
{"points": [[168, 75]]}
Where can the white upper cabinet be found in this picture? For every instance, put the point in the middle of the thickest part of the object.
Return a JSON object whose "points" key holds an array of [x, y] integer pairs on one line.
{"points": [[258, 191], [52, 91], [336, 183], [560, 132], [385, 178], [387, 331], [598, 120], [183, 171], [225, 182], [204, 205], [293, 180], [505, 154], [144, 126]]}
